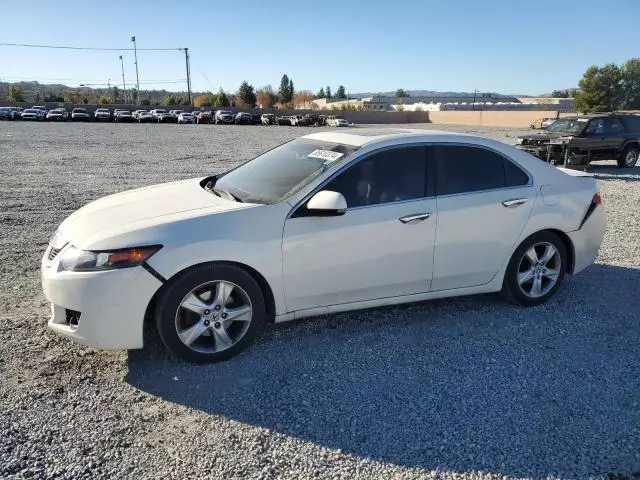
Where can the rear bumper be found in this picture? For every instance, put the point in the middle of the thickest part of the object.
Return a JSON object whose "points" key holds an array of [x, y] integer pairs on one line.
{"points": [[587, 240], [111, 304]]}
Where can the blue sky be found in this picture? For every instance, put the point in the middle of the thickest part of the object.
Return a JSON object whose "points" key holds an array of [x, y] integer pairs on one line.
{"points": [[507, 46]]}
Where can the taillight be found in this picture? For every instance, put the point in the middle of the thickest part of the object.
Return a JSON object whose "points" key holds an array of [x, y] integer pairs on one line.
{"points": [[597, 200]]}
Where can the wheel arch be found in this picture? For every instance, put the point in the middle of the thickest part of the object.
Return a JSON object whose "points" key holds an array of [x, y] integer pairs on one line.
{"points": [[257, 276], [632, 142], [566, 241]]}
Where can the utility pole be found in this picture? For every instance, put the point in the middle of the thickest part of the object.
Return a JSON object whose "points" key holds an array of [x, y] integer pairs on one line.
{"points": [[135, 54], [186, 61], [109, 87], [124, 86], [473, 107]]}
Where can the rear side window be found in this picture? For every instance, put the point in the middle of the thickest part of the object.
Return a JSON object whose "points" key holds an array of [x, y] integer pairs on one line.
{"points": [[464, 169], [632, 122]]}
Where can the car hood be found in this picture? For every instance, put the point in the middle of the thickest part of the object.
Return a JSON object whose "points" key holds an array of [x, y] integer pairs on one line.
{"points": [[538, 137], [182, 199]]}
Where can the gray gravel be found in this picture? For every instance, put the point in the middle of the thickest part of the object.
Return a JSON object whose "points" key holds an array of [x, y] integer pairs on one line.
{"points": [[463, 388]]}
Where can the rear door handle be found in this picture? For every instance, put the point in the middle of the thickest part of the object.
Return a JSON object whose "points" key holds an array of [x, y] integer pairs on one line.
{"points": [[415, 218], [514, 202]]}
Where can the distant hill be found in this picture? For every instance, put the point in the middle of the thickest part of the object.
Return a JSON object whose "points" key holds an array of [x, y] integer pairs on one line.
{"points": [[433, 93]]}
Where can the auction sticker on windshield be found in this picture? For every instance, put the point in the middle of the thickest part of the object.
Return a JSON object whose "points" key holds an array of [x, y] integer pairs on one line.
{"points": [[326, 155]]}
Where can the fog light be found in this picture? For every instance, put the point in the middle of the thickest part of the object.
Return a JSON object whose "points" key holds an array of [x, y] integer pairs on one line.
{"points": [[72, 317]]}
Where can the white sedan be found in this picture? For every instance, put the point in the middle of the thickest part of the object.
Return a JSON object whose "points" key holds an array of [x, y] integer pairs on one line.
{"points": [[326, 223], [186, 117]]}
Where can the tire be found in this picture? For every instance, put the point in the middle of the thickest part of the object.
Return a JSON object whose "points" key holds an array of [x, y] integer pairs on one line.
{"points": [[221, 338], [551, 274], [629, 157]]}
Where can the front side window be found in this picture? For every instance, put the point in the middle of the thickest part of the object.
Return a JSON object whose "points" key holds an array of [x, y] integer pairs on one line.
{"points": [[465, 169], [389, 176], [279, 173], [596, 127]]}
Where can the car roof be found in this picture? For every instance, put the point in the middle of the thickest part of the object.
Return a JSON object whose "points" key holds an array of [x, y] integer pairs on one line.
{"points": [[363, 136]]}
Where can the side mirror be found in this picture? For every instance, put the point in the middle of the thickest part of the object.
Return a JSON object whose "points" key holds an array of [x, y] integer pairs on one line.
{"points": [[327, 204]]}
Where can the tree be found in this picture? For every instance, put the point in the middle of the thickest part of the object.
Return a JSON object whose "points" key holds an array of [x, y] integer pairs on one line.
{"points": [[286, 89], [302, 99], [222, 99], [134, 95], [601, 88], [340, 93], [246, 96], [631, 81], [321, 93], [170, 100], [104, 101], [15, 93], [400, 93], [115, 94], [560, 94], [266, 97], [328, 90], [206, 100], [145, 101]]}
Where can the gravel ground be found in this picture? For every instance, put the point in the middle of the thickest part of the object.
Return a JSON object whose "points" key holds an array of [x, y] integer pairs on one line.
{"points": [[463, 388]]}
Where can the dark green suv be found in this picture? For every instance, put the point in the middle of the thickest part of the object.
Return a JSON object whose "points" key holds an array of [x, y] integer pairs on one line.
{"points": [[575, 141]]}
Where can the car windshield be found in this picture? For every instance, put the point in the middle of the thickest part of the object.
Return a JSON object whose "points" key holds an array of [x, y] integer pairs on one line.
{"points": [[279, 173], [79, 110], [29, 110], [225, 112], [567, 126]]}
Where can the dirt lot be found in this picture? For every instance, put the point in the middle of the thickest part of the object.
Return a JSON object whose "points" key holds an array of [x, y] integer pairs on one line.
{"points": [[463, 388]]}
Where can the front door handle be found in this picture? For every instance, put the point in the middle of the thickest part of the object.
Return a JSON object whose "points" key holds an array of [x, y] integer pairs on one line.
{"points": [[514, 202], [415, 218]]}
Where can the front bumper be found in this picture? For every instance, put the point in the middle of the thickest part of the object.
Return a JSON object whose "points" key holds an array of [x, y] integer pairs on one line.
{"points": [[111, 304]]}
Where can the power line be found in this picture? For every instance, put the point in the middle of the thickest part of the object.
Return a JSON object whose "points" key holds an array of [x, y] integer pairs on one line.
{"points": [[66, 47]]}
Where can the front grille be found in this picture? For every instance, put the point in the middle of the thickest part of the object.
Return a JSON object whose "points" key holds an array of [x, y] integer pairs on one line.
{"points": [[53, 252]]}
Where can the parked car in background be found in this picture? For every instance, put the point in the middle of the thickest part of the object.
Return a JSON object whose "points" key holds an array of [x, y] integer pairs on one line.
{"points": [[5, 113], [322, 120], [298, 121], [243, 118], [312, 119], [543, 122], [103, 114], [16, 113], [136, 113], [157, 111], [31, 114], [224, 116], [256, 118], [186, 117], [145, 117], [284, 120], [124, 116], [42, 109], [155, 250], [268, 119], [80, 115], [204, 117], [175, 113], [340, 122], [58, 115], [166, 117], [578, 140]]}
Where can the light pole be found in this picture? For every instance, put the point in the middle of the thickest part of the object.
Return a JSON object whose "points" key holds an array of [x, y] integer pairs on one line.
{"points": [[124, 86], [135, 55]]}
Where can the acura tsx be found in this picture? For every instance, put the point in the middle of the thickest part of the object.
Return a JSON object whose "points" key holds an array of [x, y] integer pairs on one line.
{"points": [[328, 222]]}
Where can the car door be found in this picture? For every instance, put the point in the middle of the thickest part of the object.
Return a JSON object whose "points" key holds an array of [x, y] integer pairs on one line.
{"points": [[484, 201], [381, 247]]}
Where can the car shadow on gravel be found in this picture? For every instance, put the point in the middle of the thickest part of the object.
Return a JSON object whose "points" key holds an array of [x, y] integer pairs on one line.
{"points": [[455, 385]]}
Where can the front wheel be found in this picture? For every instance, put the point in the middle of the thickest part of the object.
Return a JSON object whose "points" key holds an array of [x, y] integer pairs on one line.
{"points": [[536, 270], [210, 313], [629, 157]]}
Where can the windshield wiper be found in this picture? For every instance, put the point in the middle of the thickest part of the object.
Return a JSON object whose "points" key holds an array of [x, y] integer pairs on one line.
{"points": [[225, 194]]}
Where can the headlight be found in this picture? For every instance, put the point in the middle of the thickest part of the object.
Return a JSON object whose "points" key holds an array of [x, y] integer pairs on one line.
{"points": [[520, 141], [77, 260]]}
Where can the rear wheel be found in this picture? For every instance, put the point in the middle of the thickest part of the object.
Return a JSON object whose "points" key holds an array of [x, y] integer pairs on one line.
{"points": [[629, 157], [210, 313], [536, 270]]}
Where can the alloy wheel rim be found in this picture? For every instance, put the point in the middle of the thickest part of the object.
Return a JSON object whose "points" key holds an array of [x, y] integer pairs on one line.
{"points": [[631, 158], [213, 317], [539, 270]]}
